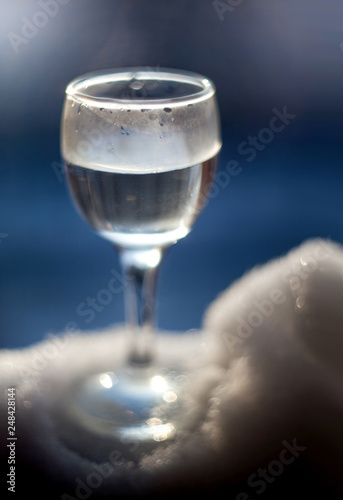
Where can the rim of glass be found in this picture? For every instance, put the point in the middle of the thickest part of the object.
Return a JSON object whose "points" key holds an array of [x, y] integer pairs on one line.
{"points": [[77, 88]]}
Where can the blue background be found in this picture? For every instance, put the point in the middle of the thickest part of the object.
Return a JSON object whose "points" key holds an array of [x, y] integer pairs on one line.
{"points": [[261, 55]]}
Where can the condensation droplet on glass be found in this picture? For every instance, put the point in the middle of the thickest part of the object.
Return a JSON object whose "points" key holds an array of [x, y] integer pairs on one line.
{"points": [[109, 148], [128, 132], [136, 85]]}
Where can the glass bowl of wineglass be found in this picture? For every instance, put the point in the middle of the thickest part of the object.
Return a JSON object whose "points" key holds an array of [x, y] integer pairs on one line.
{"points": [[140, 150]]}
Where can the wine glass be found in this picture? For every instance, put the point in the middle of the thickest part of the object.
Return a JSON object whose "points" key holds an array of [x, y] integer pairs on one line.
{"points": [[140, 152]]}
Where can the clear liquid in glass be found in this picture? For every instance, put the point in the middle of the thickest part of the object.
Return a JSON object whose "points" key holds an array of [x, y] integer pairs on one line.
{"points": [[141, 210]]}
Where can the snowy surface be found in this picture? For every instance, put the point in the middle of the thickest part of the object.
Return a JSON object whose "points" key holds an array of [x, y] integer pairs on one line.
{"points": [[266, 388]]}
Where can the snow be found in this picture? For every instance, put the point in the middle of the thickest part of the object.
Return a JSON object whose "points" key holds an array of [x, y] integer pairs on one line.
{"points": [[265, 390]]}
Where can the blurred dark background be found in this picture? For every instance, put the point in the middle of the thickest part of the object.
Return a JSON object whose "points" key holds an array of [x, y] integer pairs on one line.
{"points": [[266, 58]]}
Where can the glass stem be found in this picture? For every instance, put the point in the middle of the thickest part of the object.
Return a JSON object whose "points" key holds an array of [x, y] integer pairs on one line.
{"points": [[140, 268]]}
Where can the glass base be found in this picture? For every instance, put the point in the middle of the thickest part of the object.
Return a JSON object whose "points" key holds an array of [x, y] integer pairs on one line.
{"points": [[128, 412]]}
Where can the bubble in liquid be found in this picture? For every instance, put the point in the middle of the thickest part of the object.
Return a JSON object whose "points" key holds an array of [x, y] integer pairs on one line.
{"points": [[167, 110], [136, 85], [153, 116]]}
